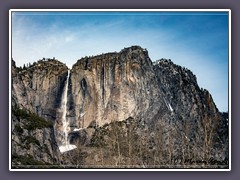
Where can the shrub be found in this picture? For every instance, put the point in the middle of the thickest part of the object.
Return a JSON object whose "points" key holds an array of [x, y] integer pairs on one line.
{"points": [[31, 140], [25, 160], [18, 129], [33, 120]]}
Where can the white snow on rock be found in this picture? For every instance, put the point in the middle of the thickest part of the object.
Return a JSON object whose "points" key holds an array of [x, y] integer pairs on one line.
{"points": [[82, 114], [170, 107], [77, 129], [187, 138], [68, 147]]}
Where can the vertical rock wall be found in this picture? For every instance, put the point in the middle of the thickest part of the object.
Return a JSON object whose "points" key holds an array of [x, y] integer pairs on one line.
{"points": [[114, 87]]}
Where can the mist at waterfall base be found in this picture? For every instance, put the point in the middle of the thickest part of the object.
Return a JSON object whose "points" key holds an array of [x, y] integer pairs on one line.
{"points": [[65, 146]]}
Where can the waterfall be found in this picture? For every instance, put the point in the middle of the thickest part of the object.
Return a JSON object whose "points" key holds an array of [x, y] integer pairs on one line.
{"points": [[65, 124], [64, 112]]}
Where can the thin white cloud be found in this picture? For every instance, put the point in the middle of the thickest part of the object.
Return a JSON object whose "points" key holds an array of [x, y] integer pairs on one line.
{"points": [[69, 38]]}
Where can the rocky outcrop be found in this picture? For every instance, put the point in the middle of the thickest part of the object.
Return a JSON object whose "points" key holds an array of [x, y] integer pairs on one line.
{"points": [[33, 141], [182, 93], [37, 90], [114, 87], [38, 87], [194, 115]]}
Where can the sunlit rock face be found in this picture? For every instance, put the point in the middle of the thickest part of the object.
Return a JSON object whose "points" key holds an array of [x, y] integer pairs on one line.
{"points": [[39, 87], [113, 87]]}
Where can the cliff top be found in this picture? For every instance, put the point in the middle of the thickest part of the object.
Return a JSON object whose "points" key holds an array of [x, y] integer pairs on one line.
{"points": [[112, 55], [167, 65], [42, 64]]}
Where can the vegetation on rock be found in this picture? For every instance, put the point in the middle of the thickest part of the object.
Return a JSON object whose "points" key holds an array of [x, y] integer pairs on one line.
{"points": [[33, 120]]}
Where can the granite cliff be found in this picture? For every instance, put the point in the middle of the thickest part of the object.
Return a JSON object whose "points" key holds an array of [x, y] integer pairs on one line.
{"points": [[114, 86], [36, 95], [39, 87]]}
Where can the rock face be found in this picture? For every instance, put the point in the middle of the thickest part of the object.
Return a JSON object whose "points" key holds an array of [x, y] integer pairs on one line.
{"points": [[194, 116], [38, 88], [114, 87], [162, 99], [182, 93], [33, 141]]}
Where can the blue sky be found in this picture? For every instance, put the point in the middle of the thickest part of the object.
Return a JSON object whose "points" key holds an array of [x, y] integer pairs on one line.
{"points": [[195, 40]]}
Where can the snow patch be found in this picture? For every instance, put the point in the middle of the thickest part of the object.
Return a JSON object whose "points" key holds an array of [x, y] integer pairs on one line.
{"points": [[77, 129], [170, 107], [68, 147], [187, 138], [82, 114]]}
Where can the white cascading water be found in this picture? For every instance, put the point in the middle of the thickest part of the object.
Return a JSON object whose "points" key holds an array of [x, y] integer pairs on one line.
{"points": [[64, 112], [65, 144]]}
